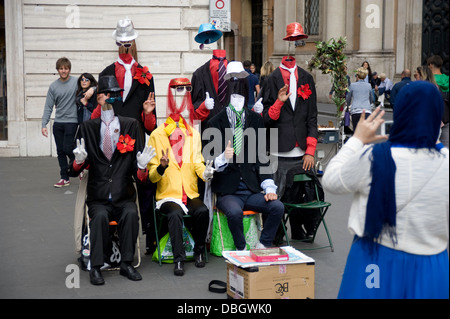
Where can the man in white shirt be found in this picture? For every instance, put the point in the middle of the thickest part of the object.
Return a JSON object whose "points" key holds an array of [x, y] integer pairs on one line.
{"points": [[385, 87]]}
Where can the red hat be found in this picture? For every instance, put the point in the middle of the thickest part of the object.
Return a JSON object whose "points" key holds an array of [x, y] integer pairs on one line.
{"points": [[179, 82], [294, 32]]}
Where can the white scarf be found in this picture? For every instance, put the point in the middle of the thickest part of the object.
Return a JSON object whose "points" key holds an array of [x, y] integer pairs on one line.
{"points": [[292, 84], [128, 77]]}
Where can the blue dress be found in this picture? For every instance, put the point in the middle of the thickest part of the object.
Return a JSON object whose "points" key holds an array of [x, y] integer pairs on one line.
{"points": [[386, 273]]}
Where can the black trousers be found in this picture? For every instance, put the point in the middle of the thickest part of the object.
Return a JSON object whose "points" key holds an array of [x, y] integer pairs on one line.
{"points": [[127, 219], [64, 134], [197, 224]]}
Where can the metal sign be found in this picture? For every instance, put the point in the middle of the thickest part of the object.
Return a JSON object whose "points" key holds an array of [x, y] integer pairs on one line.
{"points": [[220, 14]]}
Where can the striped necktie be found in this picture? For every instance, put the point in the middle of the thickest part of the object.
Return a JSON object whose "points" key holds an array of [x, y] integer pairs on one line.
{"points": [[238, 131], [222, 87]]}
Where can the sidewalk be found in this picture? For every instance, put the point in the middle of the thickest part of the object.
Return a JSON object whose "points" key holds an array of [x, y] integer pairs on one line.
{"points": [[37, 241]]}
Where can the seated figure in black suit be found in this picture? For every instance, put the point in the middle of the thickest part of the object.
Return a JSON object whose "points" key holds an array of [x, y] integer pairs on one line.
{"points": [[110, 149], [240, 180]]}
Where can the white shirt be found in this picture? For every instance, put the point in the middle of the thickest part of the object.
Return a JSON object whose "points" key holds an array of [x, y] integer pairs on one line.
{"points": [[386, 84], [422, 194]]}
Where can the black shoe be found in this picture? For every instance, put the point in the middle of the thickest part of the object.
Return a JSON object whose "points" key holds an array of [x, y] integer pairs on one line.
{"points": [[199, 260], [179, 268], [128, 271], [96, 276]]}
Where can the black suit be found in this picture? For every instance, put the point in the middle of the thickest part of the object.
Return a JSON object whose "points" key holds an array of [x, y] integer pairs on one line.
{"points": [[113, 177], [202, 82], [248, 164], [293, 126], [238, 186], [138, 94], [132, 108]]}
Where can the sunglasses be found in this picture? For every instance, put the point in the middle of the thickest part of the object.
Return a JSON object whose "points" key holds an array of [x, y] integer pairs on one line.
{"points": [[113, 99], [181, 88], [85, 80], [126, 44]]}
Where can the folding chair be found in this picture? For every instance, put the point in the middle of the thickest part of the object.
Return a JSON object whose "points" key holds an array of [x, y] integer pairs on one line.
{"points": [[314, 204], [158, 227]]}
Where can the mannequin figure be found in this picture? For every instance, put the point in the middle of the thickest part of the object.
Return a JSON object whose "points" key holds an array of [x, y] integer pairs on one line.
{"points": [[175, 170], [113, 164], [208, 85], [238, 181], [137, 101], [290, 106]]}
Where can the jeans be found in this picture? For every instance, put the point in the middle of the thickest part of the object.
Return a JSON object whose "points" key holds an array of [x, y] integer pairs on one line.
{"points": [[234, 205], [64, 134]]}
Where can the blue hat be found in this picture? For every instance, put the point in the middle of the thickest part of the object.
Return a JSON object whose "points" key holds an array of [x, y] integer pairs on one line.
{"points": [[207, 34]]}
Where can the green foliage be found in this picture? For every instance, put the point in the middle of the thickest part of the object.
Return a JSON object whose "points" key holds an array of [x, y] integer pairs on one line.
{"points": [[330, 59]]}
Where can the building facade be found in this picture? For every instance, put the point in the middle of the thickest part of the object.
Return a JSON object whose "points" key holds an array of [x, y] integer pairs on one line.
{"points": [[391, 34]]}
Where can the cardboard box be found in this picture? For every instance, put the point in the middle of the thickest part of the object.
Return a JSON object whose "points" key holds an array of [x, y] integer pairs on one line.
{"points": [[283, 281]]}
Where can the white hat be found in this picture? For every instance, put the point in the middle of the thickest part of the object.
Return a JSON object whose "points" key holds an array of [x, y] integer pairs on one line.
{"points": [[124, 31], [235, 69]]}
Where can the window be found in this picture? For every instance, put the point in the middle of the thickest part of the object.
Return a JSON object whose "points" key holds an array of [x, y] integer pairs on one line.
{"points": [[311, 24]]}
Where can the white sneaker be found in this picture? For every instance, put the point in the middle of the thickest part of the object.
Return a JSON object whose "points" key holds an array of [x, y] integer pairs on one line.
{"points": [[260, 246]]}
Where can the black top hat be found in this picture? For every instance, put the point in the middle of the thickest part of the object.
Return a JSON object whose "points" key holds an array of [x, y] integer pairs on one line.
{"points": [[108, 83]]}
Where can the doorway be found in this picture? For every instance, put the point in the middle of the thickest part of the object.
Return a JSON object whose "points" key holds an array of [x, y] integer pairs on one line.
{"points": [[435, 31], [257, 34]]}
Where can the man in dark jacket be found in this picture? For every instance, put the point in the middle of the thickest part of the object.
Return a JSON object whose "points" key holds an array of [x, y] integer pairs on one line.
{"points": [[406, 80], [110, 149], [240, 177]]}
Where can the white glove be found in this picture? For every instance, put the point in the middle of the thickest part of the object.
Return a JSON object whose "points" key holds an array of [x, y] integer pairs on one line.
{"points": [[80, 152], [145, 157], [209, 103], [258, 107], [209, 171]]}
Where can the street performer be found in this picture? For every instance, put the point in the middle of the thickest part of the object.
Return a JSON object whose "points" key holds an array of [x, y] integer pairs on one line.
{"points": [[175, 169], [110, 149]]}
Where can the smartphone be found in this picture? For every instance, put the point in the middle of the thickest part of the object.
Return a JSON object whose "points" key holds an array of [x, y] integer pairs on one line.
{"points": [[386, 127]]}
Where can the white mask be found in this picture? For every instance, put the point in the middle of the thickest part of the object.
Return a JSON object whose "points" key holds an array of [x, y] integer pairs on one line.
{"points": [[237, 101]]}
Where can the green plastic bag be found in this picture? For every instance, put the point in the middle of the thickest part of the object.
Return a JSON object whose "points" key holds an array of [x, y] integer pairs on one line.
{"points": [[166, 247], [250, 231]]}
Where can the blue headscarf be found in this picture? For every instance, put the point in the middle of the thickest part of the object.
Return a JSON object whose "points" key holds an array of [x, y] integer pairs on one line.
{"points": [[417, 119]]}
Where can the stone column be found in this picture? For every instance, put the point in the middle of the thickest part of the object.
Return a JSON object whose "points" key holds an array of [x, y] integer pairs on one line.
{"points": [[371, 29], [336, 19], [283, 15]]}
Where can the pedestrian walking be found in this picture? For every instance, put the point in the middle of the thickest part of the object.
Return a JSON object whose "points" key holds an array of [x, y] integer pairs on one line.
{"points": [[61, 96], [359, 97]]}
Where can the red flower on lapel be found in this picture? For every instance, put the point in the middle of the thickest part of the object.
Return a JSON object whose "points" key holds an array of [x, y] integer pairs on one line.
{"points": [[304, 91], [125, 144], [143, 75]]}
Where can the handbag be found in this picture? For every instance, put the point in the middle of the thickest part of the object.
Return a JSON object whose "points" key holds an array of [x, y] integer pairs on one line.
{"points": [[347, 117], [225, 242]]}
